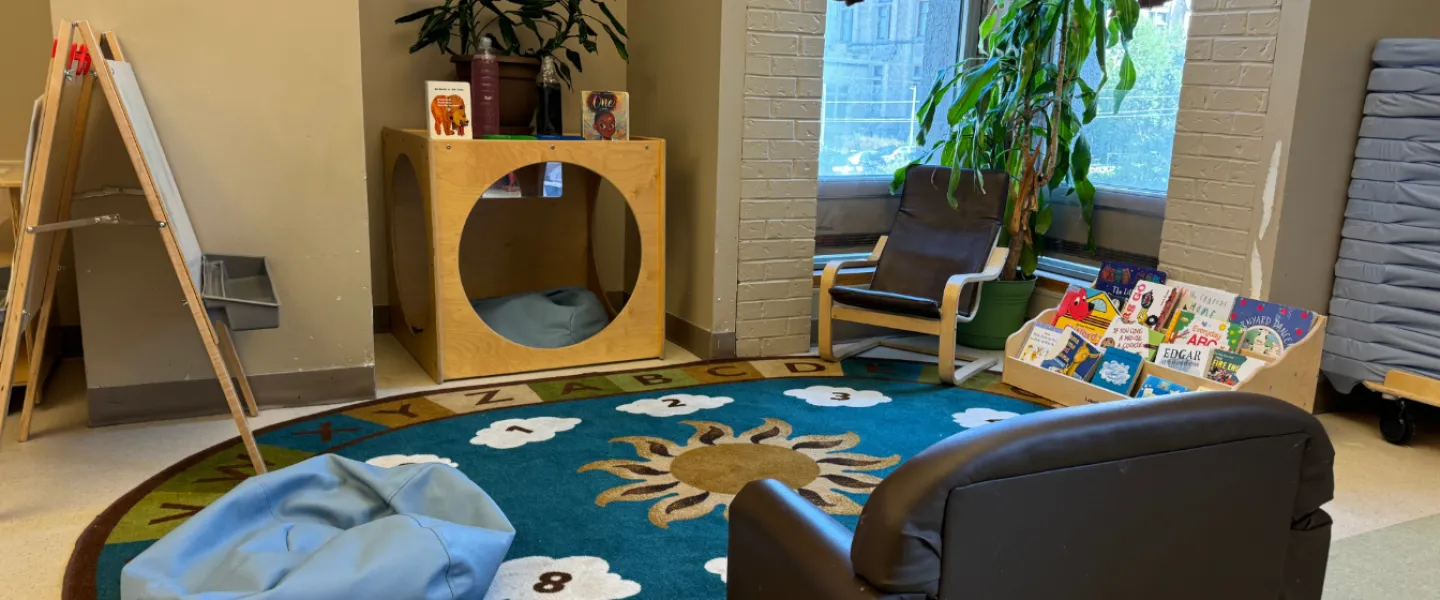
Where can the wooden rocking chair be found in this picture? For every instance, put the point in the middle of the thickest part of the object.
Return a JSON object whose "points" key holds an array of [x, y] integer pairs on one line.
{"points": [[929, 269]]}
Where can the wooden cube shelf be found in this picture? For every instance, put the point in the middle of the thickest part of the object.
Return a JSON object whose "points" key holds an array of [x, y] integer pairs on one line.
{"points": [[432, 187]]}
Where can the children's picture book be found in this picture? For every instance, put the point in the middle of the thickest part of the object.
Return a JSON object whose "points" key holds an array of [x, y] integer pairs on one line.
{"points": [[1225, 367], [1194, 330], [1087, 311], [606, 116], [1270, 328], [1153, 387], [1118, 370], [1044, 340], [1077, 357], [1204, 301], [1186, 359], [1118, 279], [1149, 304], [1139, 339], [448, 118]]}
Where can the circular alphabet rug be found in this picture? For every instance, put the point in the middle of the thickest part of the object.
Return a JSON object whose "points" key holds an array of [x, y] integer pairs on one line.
{"points": [[618, 484]]}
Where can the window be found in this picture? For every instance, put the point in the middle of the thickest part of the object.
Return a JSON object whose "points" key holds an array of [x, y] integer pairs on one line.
{"points": [[872, 88], [1132, 148]]}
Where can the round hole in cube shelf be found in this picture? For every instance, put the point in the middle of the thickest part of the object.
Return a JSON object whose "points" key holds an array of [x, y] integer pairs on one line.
{"points": [[409, 240], [550, 255]]}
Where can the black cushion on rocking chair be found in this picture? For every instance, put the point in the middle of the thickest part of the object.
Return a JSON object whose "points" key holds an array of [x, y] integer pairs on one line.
{"points": [[930, 242]]}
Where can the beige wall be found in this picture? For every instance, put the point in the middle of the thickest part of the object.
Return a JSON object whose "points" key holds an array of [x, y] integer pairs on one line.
{"points": [[394, 90], [258, 105], [1329, 96], [675, 95], [25, 35]]}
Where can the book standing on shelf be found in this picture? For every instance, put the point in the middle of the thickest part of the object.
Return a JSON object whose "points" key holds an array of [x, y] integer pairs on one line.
{"points": [[1225, 367], [1154, 386], [1089, 312], [1117, 279], [1190, 360], [1149, 304], [1270, 328], [1204, 301], [1118, 370], [1042, 344], [1076, 358]]}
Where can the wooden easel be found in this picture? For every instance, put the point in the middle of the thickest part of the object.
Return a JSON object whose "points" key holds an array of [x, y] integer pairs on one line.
{"points": [[47, 211]]}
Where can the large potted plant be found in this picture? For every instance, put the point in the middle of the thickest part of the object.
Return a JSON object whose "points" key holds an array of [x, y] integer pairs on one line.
{"points": [[1022, 107], [457, 27]]}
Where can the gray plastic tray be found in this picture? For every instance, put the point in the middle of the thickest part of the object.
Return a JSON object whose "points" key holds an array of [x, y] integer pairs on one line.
{"points": [[238, 289]]}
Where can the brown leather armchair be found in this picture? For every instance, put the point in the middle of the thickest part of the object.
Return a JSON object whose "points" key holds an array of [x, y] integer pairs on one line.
{"points": [[1199, 496]]}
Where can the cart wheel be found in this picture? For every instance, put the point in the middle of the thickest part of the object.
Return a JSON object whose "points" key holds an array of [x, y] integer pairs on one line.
{"points": [[1396, 423]]}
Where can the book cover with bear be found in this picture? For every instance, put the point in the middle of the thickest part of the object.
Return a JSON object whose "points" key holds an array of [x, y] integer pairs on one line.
{"points": [[449, 117]]}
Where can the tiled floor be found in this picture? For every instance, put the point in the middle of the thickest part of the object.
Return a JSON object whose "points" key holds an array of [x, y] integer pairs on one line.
{"points": [[52, 486]]}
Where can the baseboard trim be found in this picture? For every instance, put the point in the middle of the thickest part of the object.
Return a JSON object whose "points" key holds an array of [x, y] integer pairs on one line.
{"points": [[697, 340], [202, 397]]}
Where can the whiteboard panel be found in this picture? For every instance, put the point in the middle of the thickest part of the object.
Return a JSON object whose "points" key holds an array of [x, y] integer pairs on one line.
{"points": [[149, 141], [52, 185]]}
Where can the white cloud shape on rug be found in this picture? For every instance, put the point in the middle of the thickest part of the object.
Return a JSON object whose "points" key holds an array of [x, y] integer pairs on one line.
{"points": [[673, 405], [514, 433], [719, 566], [824, 395], [396, 460], [976, 417], [570, 578]]}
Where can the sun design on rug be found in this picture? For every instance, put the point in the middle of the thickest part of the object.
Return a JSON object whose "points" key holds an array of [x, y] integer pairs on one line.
{"points": [[691, 480]]}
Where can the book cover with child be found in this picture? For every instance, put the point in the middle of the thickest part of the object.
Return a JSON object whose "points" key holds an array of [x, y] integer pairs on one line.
{"points": [[606, 116]]}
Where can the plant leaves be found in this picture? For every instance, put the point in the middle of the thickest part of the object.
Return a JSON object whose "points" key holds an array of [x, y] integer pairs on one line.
{"points": [[619, 44], [1128, 76], [1043, 219], [1080, 160], [614, 22], [898, 181], [973, 84], [1029, 259], [1085, 191], [415, 16]]}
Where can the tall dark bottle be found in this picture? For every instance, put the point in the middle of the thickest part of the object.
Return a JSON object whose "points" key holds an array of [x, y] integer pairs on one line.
{"points": [[549, 116], [485, 79]]}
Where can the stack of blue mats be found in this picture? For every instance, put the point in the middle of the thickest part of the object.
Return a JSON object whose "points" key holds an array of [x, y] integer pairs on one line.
{"points": [[1385, 313]]}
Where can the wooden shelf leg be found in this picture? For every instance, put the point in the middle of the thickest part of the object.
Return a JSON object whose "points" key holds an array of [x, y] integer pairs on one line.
{"points": [[232, 358]]}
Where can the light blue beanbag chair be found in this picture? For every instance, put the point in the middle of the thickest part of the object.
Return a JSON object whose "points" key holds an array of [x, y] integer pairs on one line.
{"points": [[331, 528], [550, 319]]}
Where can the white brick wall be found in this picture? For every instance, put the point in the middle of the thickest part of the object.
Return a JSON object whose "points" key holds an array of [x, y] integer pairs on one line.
{"points": [[780, 151], [1218, 174]]}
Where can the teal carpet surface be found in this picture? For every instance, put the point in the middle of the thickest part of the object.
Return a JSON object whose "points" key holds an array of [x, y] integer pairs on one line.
{"points": [[618, 485]]}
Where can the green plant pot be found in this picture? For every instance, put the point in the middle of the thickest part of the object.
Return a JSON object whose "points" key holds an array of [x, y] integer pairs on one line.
{"points": [[1003, 305]]}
